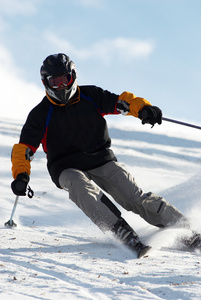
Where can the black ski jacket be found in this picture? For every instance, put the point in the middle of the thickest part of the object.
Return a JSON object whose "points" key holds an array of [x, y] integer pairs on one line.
{"points": [[75, 135]]}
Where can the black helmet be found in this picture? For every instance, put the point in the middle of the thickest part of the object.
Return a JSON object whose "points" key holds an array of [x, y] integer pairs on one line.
{"points": [[58, 69]]}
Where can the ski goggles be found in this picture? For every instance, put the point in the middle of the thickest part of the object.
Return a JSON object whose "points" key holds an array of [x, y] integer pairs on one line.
{"points": [[56, 81]]}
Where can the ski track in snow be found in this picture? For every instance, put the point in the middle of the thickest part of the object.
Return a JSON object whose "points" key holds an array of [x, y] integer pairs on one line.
{"points": [[55, 252]]}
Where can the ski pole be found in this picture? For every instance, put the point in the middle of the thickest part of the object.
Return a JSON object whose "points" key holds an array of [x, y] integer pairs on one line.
{"points": [[181, 123], [10, 222]]}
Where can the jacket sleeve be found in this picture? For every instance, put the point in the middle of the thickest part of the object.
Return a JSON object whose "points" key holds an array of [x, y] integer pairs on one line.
{"points": [[21, 157], [30, 138], [129, 104]]}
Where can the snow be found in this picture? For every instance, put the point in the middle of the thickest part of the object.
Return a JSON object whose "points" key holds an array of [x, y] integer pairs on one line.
{"points": [[56, 252]]}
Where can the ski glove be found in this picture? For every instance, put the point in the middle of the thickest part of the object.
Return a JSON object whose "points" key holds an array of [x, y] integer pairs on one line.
{"points": [[150, 114], [19, 185]]}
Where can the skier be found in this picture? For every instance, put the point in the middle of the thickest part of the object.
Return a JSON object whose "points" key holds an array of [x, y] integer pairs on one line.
{"points": [[69, 123]]}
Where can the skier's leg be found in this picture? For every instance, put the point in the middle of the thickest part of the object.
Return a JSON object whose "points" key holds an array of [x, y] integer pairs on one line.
{"points": [[96, 205], [89, 198], [121, 185]]}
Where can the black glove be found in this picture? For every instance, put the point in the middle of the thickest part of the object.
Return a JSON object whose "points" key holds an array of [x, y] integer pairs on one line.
{"points": [[150, 114], [19, 185]]}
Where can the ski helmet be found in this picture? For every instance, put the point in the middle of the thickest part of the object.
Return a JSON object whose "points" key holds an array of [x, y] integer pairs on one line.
{"points": [[59, 70]]}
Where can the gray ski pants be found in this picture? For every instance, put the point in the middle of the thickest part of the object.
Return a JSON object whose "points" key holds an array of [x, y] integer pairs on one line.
{"points": [[121, 186]]}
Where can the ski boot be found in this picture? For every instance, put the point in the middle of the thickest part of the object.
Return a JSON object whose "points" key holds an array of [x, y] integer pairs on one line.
{"points": [[124, 233], [193, 242]]}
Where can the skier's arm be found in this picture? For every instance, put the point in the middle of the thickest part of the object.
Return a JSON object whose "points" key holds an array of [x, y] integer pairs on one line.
{"points": [[129, 104], [21, 158], [23, 153], [30, 139]]}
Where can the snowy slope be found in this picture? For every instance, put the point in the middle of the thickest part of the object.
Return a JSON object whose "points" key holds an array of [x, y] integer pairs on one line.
{"points": [[57, 253]]}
